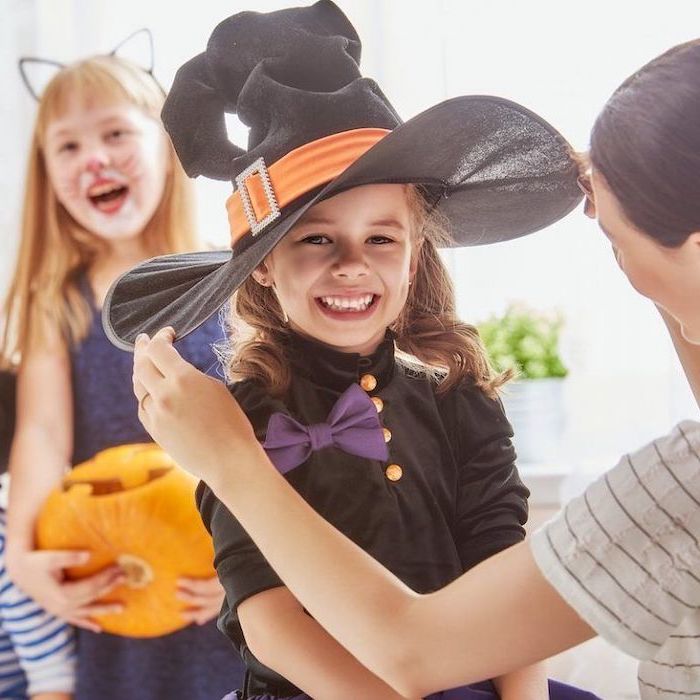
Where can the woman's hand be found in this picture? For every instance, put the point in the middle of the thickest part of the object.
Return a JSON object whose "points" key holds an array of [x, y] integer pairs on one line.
{"points": [[204, 597], [193, 417], [40, 575]]}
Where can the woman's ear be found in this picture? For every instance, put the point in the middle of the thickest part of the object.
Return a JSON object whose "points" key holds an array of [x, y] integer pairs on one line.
{"points": [[585, 183], [692, 247]]}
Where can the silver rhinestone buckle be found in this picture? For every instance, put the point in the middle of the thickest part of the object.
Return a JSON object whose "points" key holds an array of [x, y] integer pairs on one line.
{"points": [[257, 167]]}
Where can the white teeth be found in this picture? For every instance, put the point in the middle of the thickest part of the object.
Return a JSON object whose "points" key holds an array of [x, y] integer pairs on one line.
{"points": [[348, 303]]}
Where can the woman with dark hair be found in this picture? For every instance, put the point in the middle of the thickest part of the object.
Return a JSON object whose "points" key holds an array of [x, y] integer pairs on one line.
{"points": [[622, 560]]}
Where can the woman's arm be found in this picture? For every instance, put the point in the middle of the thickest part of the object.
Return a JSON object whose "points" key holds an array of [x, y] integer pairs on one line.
{"points": [[688, 353], [283, 637], [499, 616], [41, 453]]}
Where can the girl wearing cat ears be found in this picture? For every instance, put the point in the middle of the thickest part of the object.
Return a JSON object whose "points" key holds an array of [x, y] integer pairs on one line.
{"points": [[104, 191]]}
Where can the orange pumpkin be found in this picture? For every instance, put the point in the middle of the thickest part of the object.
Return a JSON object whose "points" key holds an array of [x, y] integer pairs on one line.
{"points": [[132, 505]]}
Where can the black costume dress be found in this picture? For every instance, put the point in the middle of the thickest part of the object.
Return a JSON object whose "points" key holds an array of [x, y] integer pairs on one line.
{"points": [[448, 497]]}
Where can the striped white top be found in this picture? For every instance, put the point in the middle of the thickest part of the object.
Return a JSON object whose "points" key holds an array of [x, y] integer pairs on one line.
{"points": [[37, 651], [626, 556]]}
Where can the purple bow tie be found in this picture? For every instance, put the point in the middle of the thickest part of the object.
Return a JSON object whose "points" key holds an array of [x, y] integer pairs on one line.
{"points": [[352, 426]]}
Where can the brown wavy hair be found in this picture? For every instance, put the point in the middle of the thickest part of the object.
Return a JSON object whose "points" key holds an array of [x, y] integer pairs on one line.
{"points": [[429, 337], [53, 247]]}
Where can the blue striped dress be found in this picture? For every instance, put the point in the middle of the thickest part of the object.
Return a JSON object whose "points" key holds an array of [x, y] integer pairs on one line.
{"points": [[37, 651]]}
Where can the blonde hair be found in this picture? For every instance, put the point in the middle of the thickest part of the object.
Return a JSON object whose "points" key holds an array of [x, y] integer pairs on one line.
{"points": [[53, 246], [429, 337]]}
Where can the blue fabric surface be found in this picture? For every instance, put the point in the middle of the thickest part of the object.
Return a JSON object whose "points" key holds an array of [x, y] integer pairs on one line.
{"points": [[477, 691], [195, 663], [105, 408], [486, 691]]}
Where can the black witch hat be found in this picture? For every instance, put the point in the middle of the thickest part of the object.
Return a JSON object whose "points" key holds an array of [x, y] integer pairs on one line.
{"points": [[494, 169]]}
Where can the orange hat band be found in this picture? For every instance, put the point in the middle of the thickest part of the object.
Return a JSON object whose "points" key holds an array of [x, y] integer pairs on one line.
{"points": [[261, 191]]}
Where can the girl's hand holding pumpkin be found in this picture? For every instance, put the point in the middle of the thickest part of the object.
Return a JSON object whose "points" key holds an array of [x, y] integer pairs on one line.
{"points": [[204, 597], [193, 417], [40, 575]]}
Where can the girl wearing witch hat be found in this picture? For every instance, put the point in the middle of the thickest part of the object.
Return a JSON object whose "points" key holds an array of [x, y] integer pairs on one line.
{"points": [[104, 190], [622, 560], [368, 394]]}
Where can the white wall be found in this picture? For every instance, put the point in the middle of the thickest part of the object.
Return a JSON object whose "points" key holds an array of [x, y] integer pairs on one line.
{"points": [[561, 59]]}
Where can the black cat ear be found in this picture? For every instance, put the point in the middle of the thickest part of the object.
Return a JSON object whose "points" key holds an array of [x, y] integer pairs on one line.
{"points": [[137, 48], [37, 73]]}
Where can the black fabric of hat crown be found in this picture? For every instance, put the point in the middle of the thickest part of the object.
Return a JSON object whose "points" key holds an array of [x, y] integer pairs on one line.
{"points": [[293, 76], [492, 168]]}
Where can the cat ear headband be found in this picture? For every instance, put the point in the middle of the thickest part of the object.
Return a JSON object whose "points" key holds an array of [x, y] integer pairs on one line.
{"points": [[35, 75]]}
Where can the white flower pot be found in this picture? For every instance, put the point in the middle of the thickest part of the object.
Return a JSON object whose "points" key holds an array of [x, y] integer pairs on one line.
{"points": [[535, 409]]}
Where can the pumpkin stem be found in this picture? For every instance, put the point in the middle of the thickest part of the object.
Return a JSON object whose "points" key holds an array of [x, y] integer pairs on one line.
{"points": [[138, 572]]}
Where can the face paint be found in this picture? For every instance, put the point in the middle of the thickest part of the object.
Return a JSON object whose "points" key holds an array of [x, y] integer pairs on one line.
{"points": [[108, 167]]}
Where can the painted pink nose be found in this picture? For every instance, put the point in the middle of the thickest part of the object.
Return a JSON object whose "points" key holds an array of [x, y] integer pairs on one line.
{"points": [[95, 164]]}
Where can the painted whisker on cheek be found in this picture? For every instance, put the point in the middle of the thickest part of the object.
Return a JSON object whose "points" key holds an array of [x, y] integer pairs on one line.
{"points": [[131, 166]]}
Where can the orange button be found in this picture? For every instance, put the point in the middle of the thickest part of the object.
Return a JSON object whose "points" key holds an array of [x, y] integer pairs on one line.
{"points": [[378, 403], [368, 382], [393, 472], [387, 434]]}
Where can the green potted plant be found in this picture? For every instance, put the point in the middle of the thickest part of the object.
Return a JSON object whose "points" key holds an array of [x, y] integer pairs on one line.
{"points": [[527, 342]]}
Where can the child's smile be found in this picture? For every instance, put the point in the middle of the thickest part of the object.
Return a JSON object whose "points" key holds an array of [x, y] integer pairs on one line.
{"points": [[342, 273], [348, 307], [108, 195]]}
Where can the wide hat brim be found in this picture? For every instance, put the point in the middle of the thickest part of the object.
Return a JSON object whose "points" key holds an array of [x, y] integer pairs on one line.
{"points": [[492, 168]]}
